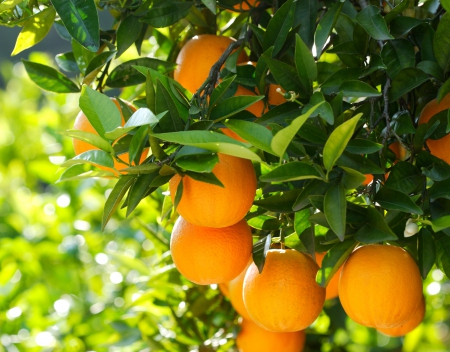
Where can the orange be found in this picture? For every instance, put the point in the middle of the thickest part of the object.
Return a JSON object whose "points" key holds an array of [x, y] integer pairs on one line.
{"points": [[380, 286], [333, 285], [285, 296], [257, 108], [82, 124], [439, 147], [252, 338], [197, 57], [204, 204], [206, 255], [232, 134], [235, 287], [223, 287], [410, 325]]}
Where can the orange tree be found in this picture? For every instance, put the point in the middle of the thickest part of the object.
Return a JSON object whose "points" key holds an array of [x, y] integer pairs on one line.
{"points": [[355, 77]]}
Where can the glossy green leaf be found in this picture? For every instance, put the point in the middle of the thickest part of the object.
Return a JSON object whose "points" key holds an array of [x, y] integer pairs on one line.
{"points": [[358, 89], [335, 209], [376, 229], [127, 33], [253, 133], [49, 79], [36, 29], [392, 199], [360, 163], [101, 112], [404, 177], [95, 157], [405, 81], [443, 253], [265, 222], [279, 26], [81, 20], [304, 63], [141, 117], [91, 138], [198, 163], [441, 43], [283, 138], [205, 177], [167, 13], [373, 23], [296, 170], [94, 67], [210, 4], [326, 25], [220, 90], [215, 142], [337, 142], [230, 106], [116, 196], [305, 16], [397, 55], [82, 55], [279, 203], [441, 223], [333, 260], [352, 178], [260, 250], [305, 230], [285, 74], [9, 4], [426, 251], [67, 62], [137, 144], [402, 25], [396, 11], [170, 122], [363, 146]]}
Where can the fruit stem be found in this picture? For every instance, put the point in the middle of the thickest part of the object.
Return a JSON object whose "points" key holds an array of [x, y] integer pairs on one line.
{"points": [[282, 238]]}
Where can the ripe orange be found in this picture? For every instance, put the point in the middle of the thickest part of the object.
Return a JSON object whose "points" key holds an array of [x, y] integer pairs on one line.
{"points": [[235, 287], [410, 325], [82, 124], [223, 287], [333, 285], [285, 297], [439, 147], [380, 286], [243, 5], [206, 255], [197, 57], [232, 134], [257, 108], [204, 204], [252, 338]]}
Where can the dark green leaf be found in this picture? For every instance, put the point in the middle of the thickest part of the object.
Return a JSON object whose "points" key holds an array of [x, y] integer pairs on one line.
{"points": [[170, 122], [305, 230], [260, 250], [198, 163], [441, 43], [315, 187], [280, 203], [279, 27], [443, 91], [49, 79], [324, 110], [81, 20], [397, 55], [127, 33], [296, 170], [233, 105], [284, 74], [358, 89], [396, 11], [326, 25], [335, 209], [253, 133], [139, 190], [376, 229], [363, 146], [360, 163], [95, 157], [96, 64], [305, 16], [82, 55], [332, 84], [137, 144], [220, 90], [67, 62], [305, 64], [265, 223], [211, 5], [400, 26], [115, 197], [405, 81], [373, 23], [392, 199], [352, 178], [427, 252], [443, 253], [404, 177], [167, 13]]}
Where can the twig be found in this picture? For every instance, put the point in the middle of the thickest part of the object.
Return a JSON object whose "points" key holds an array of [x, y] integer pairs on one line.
{"points": [[386, 110]]}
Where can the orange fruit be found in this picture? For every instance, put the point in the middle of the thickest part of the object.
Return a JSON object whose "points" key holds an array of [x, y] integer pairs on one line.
{"points": [[204, 204], [197, 57], [82, 124], [232, 134], [252, 338], [275, 98], [257, 108], [410, 325], [380, 286], [285, 296], [243, 5], [223, 287], [235, 287], [206, 255], [333, 285], [439, 147]]}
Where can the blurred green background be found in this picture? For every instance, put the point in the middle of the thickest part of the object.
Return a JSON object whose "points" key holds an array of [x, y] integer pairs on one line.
{"points": [[67, 286]]}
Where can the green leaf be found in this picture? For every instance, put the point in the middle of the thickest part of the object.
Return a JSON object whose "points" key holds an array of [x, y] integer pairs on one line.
{"points": [[284, 74], [82, 55], [402, 25], [278, 27], [376, 229], [315, 187], [90, 138], [198, 163], [403, 5], [332, 83], [205, 177], [115, 197], [337, 142], [126, 75], [167, 13], [127, 33], [210, 4], [358, 89], [333, 260], [293, 171], [305, 230], [231, 106], [137, 144], [215, 142], [81, 20], [9, 4], [283, 138], [363, 146], [279, 203], [95, 157], [326, 25], [257, 135], [170, 122], [220, 90], [265, 222], [305, 64], [142, 169], [352, 178], [441, 223], [49, 79], [260, 250], [446, 5], [335, 209], [443, 253], [95, 65], [373, 23], [392, 199], [325, 110], [101, 112], [426, 251], [139, 190], [360, 163], [305, 16], [141, 117], [397, 55], [405, 81], [36, 28], [67, 62], [404, 177], [78, 172], [441, 43]]}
